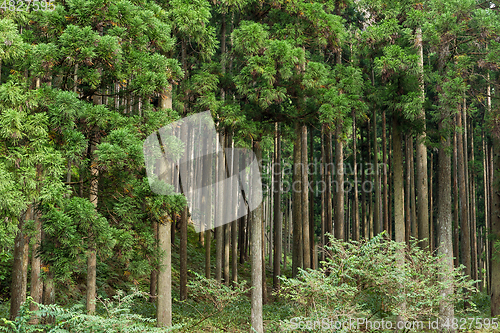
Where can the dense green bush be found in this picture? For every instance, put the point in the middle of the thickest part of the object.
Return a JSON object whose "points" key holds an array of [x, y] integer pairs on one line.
{"points": [[117, 318], [362, 280]]}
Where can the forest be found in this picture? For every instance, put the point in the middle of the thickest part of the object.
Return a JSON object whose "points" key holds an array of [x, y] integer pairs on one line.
{"points": [[249, 166]]}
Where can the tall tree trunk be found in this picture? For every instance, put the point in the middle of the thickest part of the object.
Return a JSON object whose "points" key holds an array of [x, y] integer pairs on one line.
{"points": [[384, 176], [472, 196], [456, 238], [234, 225], [256, 253], [414, 226], [153, 280], [20, 266], [407, 191], [339, 194], [219, 230], [323, 190], [91, 253], [494, 189], [305, 199], [376, 210], [277, 207], [297, 250], [36, 288], [431, 205], [329, 170], [495, 229], [444, 229], [355, 215], [227, 226], [164, 306], [399, 210], [363, 224], [311, 167], [206, 203], [464, 225], [421, 151], [183, 255]]}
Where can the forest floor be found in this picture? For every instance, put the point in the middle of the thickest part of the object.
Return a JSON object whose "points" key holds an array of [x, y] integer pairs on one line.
{"points": [[200, 315]]}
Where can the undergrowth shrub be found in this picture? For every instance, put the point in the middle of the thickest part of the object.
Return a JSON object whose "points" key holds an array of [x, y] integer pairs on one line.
{"points": [[117, 318], [362, 280]]}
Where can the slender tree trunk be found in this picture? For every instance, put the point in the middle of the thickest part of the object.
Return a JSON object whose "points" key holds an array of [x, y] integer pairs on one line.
{"points": [[384, 176], [431, 206], [305, 199], [486, 211], [164, 305], [494, 164], [312, 197], [297, 250], [407, 191], [376, 211], [399, 209], [154, 272], [363, 225], [464, 225], [206, 203], [20, 267], [234, 225], [414, 226], [472, 196], [339, 195], [456, 240], [278, 241], [257, 264], [444, 230], [421, 151], [183, 254], [329, 170], [355, 215], [323, 190], [36, 288], [93, 197], [219, 230]]}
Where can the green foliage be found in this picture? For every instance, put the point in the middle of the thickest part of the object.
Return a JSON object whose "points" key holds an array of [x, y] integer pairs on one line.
{"points": [[361, 279], [117, 318]]}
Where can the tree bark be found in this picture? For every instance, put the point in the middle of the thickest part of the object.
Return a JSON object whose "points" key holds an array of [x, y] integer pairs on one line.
{"points": [[464, 224], [421, 151], [154, 272], [456, 238], [472, 196], [384, 179], [256, 253], [305, 199], [495, 230], [278, 241], [339, 194], [399, 211], [219, 230], [407, 191], [164, 305], [297, 250], [36, 289], [444, 229], [376, 211], [414, 226], [183, 255], [355, 215], [20, 267]]}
